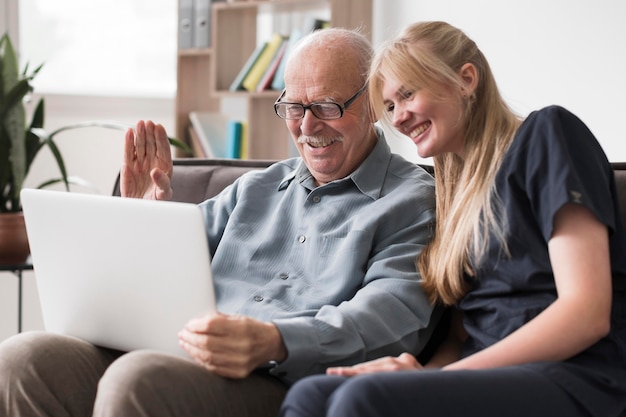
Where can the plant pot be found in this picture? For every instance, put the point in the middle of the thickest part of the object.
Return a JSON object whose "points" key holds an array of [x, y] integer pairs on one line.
{"points": [[14, 247]]}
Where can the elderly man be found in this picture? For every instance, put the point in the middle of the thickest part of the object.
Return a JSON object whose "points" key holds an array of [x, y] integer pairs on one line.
{"points": [[313, 263]]}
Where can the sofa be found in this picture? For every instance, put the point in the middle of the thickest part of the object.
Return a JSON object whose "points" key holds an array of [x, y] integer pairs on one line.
{"points": [[195, 180]]}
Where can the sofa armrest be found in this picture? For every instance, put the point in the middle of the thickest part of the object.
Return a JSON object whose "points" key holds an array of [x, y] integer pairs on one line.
{"points": [[619, 169]]}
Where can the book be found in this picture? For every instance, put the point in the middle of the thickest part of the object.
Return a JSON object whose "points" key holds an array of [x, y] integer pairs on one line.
{"points": [[185, 24], [202, 23], [197, 151], [278, 83], [245, 149], [210, 131], [233, 139], [312, 24], [262, 63], [268, 77], [237, 84]]}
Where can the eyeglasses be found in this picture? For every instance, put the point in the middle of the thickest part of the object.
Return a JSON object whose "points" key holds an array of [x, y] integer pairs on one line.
{"points": [[322, 110]]}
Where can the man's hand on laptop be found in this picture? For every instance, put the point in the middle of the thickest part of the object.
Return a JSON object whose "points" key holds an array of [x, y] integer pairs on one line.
{"points": [[147, 166], [232, 346]]}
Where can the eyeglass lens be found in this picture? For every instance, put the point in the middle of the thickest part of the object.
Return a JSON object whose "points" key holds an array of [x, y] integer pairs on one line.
{"points": [[320, 110]]}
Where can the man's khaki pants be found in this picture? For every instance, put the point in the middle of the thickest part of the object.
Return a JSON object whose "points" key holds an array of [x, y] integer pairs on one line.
{"points": [[43, 374]]}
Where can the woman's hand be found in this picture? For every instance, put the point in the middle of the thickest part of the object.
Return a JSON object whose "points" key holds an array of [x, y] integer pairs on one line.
{"points": [[405, 361]]}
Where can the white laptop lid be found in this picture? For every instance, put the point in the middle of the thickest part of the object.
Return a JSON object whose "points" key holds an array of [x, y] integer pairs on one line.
{"points": [[118, 272]]}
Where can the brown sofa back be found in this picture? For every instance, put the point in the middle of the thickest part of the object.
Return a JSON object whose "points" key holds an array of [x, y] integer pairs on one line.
{"points": [[195, 180], [619, 168]]}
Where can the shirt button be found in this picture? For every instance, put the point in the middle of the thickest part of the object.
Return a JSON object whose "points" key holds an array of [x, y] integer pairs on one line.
{"points": [[317, 199], [301, 238], [283, 276], [258, 298]]}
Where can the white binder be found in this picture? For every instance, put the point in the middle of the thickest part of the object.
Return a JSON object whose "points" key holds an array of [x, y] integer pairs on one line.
{"points": [[202, 26], [185, 24]]}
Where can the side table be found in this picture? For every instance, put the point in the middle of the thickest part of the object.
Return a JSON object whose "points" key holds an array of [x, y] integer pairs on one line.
{"points": [[17, 270]]}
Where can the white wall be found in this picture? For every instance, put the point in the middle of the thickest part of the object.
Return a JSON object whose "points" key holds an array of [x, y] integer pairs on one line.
{"points": [[567, 52]]}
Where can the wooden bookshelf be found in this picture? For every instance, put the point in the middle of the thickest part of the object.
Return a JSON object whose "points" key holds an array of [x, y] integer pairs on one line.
{"points": [[204, 75]]}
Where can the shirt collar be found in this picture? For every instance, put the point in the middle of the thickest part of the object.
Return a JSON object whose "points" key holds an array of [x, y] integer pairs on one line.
{"points": [[367, 177]]}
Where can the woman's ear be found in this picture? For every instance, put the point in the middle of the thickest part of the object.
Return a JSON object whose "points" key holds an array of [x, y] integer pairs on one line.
{"points": [[469, 75]]}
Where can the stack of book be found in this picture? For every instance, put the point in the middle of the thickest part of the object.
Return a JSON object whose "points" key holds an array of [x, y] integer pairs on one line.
{"points": [[264, 68]]}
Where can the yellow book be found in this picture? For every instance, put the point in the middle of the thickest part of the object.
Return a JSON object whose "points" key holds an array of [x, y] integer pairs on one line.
{"points": [[260, 66], [245, 153]]}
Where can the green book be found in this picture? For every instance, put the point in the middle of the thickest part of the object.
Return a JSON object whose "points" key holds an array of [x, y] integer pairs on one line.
{"points": [[255, 74], [237, 84]]}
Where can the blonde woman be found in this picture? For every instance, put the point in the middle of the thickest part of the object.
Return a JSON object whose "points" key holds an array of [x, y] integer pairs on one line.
{"points": [[528, 252]]}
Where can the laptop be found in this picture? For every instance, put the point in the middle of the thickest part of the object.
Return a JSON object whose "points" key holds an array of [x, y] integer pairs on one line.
{"points": [[118, 272]]}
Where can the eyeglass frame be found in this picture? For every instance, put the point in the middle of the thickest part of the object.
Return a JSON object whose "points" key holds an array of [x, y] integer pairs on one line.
{"points": [[342, 107]]}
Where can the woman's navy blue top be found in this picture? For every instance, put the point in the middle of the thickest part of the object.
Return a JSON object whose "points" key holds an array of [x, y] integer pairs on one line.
{"points": [[554, 160]]}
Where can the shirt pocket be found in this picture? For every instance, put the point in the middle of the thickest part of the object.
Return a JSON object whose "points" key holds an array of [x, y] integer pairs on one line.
{"points": [[337, 265]]}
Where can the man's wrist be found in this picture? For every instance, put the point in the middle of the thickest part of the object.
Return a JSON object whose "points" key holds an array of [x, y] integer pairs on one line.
{"points": [[279, 353]]}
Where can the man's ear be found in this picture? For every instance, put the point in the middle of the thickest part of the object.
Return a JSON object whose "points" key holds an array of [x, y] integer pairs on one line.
{"points": [[469, 75], [372, 113], [370, 108]]}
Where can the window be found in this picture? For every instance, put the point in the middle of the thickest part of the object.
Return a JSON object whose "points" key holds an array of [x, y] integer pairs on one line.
{"points": [[100, 47]]}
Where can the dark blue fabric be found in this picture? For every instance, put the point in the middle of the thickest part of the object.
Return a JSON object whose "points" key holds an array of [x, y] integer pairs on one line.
{"points": [[554, 160], [510, 392]]}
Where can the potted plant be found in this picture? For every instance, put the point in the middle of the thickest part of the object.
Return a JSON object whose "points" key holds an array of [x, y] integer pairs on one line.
{"points": [[19, 144], [18, 147]]}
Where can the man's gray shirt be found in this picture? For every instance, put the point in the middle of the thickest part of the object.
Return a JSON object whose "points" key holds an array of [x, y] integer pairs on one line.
{"points": [[333, 267]]}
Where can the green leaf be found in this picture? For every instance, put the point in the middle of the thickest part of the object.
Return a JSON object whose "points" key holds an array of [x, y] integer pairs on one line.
{"points": [[5, 170], [33, 142], [57, 156], [15, 96], [114, 125], [72, 180], [14, 124], [179, 144], [38, 115], [9, 66]]}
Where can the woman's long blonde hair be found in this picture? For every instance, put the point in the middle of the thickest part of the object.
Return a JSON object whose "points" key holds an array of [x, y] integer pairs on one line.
{"points": [[429, 56]]}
